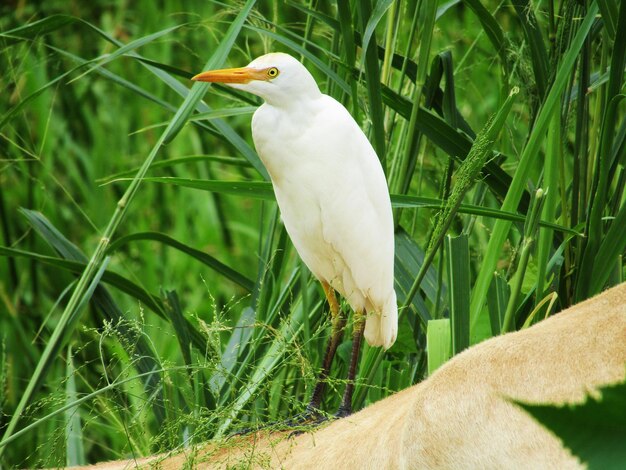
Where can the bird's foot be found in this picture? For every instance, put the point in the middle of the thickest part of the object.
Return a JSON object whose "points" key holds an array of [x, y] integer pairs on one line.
{"points": [[343, 411], [310, 418], [311, 423]]}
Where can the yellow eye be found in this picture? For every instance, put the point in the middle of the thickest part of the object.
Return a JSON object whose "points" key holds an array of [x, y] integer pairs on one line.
{"points": [[272, 72]]}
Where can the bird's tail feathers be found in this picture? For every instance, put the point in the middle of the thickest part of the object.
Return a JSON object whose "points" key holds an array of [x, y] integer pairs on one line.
{"points": [[381, 328]]}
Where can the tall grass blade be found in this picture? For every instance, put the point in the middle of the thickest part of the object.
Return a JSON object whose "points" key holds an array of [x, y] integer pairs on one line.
{"points": [[438, 344], [426, 24], [608, 10], [372, 81], [530, 234], [457, 252], [550, 182], [75, 450], [497, 301]]}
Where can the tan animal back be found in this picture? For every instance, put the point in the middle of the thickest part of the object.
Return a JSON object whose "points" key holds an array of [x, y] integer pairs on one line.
{"points": [[461, 416]]}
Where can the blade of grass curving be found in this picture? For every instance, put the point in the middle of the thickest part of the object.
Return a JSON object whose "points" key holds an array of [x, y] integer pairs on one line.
{"points": [[94, 268], [263, 190], [136, 89], [550, 300], [36, 29], [527, 161], [206, 116], [457, 251], [173, 162], [119, 282], [202, 257], [253, 189], [113, 279], [449, 99], [124, 50]]}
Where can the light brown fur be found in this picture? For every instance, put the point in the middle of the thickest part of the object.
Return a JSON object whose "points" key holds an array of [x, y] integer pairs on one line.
{"points": [[458, 418]]}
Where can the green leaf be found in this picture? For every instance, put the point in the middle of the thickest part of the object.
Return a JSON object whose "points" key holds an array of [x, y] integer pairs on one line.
{"points": [[36, 29], [75, 451], [263, 190], [595, 430], [457, 252], [131, 46], [438, 344], [373, 85], [497, 300], [380, 9], [608, 10], [202, 257]]}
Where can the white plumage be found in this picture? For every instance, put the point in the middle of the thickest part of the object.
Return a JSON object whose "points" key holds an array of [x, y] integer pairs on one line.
{"points": [[329, 184]]}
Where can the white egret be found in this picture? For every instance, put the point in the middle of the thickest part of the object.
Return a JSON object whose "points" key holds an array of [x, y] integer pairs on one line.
{"points": [[332, 195]]}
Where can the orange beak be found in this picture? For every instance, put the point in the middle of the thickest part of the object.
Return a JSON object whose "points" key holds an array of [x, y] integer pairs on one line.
{"points": [[237, 75]]}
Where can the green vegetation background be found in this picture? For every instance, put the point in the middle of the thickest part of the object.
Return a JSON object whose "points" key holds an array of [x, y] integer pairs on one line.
{"points": [[114, 174]]}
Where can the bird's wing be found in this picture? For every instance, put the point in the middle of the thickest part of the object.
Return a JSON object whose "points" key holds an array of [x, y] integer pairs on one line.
{"points": [[356, 210]]}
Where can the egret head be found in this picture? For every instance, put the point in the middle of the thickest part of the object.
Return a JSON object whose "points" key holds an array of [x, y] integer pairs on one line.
{"points": [[277, 78]]}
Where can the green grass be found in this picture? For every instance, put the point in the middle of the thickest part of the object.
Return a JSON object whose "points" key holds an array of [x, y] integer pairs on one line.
{"points": [[150, 297]]}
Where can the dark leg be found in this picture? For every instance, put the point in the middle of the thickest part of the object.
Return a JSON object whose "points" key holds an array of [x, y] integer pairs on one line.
{"points": [[345, 409], [338, 320]]}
